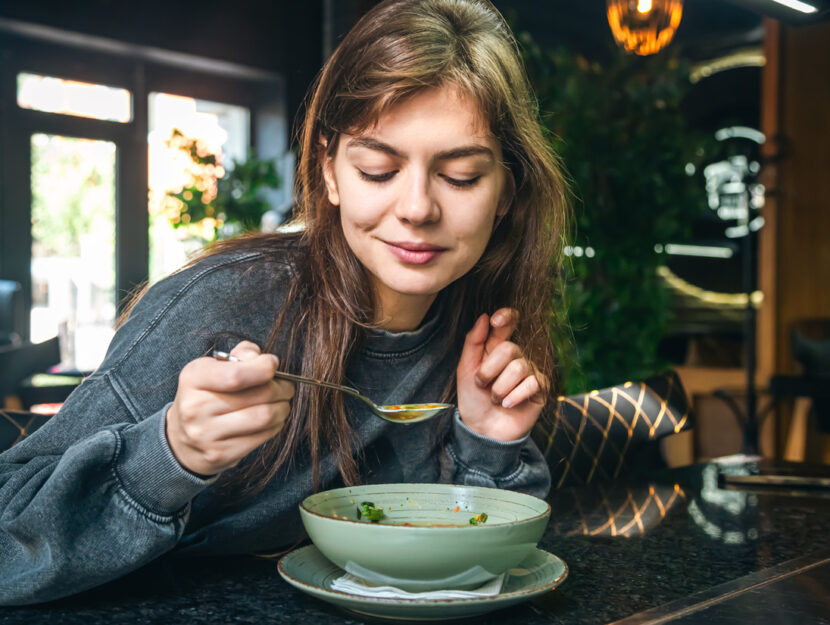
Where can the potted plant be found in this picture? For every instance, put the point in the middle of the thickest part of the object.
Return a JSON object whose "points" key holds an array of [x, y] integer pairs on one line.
{"points": [[218, 203], [622, 136]]}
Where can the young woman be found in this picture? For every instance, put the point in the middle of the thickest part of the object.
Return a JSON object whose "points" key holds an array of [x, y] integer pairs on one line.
{"points": [[432, 210]]}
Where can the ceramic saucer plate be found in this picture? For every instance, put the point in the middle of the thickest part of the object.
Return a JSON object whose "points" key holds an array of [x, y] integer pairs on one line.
{"points": [[307, 569]]}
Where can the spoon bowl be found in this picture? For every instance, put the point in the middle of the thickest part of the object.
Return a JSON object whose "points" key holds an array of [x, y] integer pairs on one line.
{"points": [[396, 413]]}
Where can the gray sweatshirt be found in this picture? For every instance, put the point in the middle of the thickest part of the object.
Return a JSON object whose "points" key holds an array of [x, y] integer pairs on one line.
{"points": [[96, 492]]}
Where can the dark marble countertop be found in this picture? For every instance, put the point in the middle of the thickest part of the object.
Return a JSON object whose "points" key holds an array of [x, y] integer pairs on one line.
{"points": [[630, 545]]}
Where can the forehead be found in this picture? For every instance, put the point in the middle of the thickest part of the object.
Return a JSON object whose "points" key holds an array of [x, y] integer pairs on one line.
{"points": [[444, 108]]}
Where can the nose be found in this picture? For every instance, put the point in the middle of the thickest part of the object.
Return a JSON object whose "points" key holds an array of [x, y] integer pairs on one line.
{"points": [[417, 206]]}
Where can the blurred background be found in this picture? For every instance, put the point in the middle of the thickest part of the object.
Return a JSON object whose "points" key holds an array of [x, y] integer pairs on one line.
{"points": [[695, 135]]}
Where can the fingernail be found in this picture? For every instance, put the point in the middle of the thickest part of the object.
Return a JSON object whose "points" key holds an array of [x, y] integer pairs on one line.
{"points": [[506, 403], [498, 320]]}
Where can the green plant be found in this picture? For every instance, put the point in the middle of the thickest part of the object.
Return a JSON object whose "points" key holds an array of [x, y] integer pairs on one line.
{"points": [[231, 200], [625, 143]]}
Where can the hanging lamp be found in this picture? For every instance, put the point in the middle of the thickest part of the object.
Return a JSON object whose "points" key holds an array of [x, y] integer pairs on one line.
{"points": [[644, 26]]}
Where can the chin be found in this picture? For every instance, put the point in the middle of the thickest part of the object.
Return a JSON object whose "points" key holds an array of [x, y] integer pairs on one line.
{"points": [[414, 285], [415, 291]]}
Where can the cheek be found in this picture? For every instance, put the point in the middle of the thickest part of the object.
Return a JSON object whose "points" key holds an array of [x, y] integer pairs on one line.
{"points": [[360, 208], [474, 225]]}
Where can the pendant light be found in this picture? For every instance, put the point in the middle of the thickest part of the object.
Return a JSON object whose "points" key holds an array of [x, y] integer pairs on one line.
{"points": [[644, 26]]}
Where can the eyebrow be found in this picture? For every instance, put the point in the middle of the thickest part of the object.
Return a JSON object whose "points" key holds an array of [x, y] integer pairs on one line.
{"points": [[446, 155]]}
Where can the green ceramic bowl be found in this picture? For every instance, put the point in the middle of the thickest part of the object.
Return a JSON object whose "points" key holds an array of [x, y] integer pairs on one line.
{"points": [[425, 540]]}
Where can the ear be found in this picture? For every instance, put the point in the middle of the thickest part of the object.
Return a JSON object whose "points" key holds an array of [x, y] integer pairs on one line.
{"points": [[508, 194], [327, 163], [331, 181]]}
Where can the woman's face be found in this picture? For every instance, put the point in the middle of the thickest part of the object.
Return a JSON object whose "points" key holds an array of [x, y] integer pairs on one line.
{"points": [[418, 193]]}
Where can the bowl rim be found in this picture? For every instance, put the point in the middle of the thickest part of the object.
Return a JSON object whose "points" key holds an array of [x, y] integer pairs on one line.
{"points": [[546, 513]]}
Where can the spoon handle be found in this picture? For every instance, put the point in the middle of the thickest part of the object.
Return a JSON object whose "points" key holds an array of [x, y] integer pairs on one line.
{"points": [[304, 380], [298, 378]]}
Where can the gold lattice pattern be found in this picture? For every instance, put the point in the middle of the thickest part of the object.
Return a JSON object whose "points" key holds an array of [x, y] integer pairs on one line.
{"points": [[15, 426], [594, 434], [629, 513]]}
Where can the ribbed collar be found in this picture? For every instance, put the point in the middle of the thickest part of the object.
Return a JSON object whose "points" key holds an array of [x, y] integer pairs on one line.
{"points": [[400, 343]]}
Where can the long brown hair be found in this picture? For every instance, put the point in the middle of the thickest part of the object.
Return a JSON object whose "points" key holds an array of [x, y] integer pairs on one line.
{"points": [[398, 49]]}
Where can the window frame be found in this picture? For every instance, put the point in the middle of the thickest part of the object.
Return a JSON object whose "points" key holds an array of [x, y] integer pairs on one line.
{"points": [[141, 71]]}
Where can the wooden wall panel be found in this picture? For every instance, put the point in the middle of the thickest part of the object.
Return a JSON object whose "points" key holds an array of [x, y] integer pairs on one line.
{"points": [[804, 182], [795, 244], [794, 247]]}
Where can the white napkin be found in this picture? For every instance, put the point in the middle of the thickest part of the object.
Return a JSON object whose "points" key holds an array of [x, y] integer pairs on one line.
{"points": [[356, 586]]}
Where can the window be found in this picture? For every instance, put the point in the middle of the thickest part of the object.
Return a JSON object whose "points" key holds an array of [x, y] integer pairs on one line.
{"points": [[73, 246], [70, 97], [222, 130]]}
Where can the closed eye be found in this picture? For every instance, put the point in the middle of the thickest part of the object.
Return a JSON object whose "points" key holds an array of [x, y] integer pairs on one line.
{"points": [[384, 177], [462, 183], [377, 177]]}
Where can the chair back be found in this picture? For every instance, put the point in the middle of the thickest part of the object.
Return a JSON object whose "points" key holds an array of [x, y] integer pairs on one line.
{"points": [[811, 345], [18, 362], [810, 339], [600, 434], [11, 312]]}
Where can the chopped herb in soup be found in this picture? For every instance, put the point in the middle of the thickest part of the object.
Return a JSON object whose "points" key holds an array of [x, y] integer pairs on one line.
{"points": [[370, 511], [479, 519]]}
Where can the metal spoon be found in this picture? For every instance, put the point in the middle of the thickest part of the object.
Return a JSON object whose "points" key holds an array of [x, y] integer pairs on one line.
{"points": [[404, 413]]}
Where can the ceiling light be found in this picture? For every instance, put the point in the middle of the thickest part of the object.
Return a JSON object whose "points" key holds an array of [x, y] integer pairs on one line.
{"points": [[797, 5]]}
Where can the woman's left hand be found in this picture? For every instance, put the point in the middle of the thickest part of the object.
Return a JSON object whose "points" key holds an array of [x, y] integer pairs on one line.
{"points": [[500, 392]]}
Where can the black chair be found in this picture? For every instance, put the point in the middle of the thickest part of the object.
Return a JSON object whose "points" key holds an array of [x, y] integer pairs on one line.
{"points": [[22, 360], [19, 361], [11, 312], [599, 435], [810, 344]]}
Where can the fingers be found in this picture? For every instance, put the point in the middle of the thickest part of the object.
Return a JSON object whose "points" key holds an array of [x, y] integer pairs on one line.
{"points": [[267, 419], [209, 432], [225, 409], [529, 389], [271, 392], [503, 324], [485, 335], [496, 362], [473, 350], [222, 455], [252, 369], [245, 350], [510, 377], [518, 382]]}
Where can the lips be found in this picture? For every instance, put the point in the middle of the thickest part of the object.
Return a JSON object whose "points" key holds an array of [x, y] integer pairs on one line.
{"points": [[413, 252], [415, 246]]}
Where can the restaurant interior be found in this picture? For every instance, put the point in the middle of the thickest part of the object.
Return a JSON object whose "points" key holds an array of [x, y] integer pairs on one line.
{"points": [[696, 140], [735, 300]]}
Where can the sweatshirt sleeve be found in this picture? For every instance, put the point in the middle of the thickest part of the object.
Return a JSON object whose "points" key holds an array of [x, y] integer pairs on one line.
{"points": [[96, 492], [477, 460], [83, 500]]}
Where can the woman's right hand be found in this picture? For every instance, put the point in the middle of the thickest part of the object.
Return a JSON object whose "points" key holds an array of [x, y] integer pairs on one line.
{"points": [[224, 410]]}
